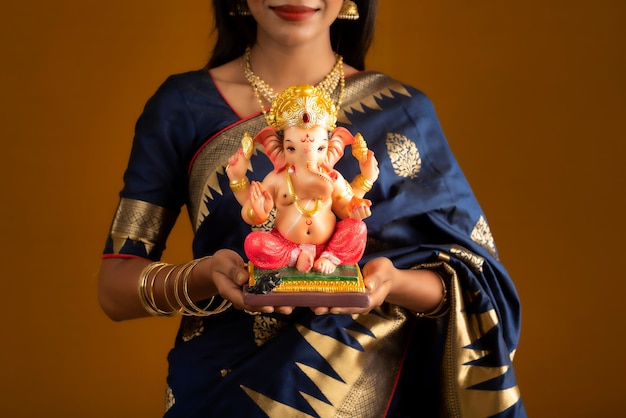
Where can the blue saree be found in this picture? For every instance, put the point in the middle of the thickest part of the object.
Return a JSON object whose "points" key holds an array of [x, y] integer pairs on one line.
{"points": [[390, 362]]}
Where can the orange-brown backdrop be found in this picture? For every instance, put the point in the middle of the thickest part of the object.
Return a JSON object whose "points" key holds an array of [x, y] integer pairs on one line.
{"points": [[530, 94]]}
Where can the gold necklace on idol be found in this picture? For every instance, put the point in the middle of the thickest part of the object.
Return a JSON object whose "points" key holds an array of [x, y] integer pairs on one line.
{"points": [[309, 213], [328, 85]]}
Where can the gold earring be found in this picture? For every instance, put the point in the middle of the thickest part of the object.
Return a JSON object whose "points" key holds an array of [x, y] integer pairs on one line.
{"points": [[348, 11], [240, 8]]}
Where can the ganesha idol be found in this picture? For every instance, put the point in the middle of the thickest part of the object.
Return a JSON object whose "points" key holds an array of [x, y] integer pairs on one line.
{"points": [[309, 256]]}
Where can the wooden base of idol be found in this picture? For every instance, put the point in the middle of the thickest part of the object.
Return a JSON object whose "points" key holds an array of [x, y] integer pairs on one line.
{"points": [[342, 288]]}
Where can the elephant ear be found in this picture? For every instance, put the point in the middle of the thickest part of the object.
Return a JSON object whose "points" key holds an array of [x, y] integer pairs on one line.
{"points": [[273, 146], [336, 144]]}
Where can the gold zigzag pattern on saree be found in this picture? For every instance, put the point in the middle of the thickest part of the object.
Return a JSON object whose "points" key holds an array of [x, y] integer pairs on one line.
{"points": [[370, 101], [348, 363], [475, 365]]}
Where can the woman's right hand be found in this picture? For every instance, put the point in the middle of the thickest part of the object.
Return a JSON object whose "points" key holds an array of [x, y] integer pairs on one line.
{"points": [[228, 274], [224, 273]]}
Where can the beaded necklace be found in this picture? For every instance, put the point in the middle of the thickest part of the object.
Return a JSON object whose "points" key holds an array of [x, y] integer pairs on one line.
{"points": [[328, 85]]}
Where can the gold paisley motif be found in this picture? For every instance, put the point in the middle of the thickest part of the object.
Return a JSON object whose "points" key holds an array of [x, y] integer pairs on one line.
{"points": [[265, 328], [404, 155], [481, 235], [192, 327]]}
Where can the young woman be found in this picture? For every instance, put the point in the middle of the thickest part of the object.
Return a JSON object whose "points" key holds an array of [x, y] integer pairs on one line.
{"points": [[443, 323]]}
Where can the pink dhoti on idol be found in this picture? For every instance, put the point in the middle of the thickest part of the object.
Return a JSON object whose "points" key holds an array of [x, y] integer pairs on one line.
{"points": [[270, 250]]}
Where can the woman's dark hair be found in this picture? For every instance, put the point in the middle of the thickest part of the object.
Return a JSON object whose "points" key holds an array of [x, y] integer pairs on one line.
{"points": [[350, 38]]}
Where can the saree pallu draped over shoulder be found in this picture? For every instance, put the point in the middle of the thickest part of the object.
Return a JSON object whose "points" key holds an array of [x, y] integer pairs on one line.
{"points": [[390, 362]]}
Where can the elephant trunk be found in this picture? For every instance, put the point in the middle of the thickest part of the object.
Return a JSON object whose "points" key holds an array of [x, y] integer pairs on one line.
{"points": [[323, 187], [320, 171]]}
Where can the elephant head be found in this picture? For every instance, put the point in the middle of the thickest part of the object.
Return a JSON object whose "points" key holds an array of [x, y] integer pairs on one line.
{"points": [[313, 150], [303, 137]]}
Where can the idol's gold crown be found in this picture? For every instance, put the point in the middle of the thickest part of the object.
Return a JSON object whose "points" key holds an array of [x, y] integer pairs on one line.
{"points": [[305, 106]]}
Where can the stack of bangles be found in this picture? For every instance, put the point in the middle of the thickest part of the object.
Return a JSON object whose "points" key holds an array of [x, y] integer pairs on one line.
{"points": [[184, 304]]}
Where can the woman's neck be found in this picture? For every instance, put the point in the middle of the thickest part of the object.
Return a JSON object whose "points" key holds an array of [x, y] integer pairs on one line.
{"points": [[287, 66]]}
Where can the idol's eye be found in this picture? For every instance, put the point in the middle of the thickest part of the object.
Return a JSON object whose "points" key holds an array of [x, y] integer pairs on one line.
{"points": [[321, 148], [290, 148]]}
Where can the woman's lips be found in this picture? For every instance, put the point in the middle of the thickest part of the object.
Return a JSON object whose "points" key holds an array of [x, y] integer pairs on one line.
{"points": [[294, 13]]}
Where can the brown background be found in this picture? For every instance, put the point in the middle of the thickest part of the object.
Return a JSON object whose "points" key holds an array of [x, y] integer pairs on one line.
{"points": [[531, 97]]}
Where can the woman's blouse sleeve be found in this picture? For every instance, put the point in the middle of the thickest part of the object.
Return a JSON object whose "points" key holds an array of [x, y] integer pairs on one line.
{"points": [[155, 180]]}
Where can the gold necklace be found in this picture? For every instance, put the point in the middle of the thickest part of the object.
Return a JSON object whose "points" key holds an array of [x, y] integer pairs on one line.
{"points": [[309, 213], [328, 85]]}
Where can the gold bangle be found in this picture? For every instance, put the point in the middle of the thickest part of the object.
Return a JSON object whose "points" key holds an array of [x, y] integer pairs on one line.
{"points": [[238, 185], [197, 311], [150, 294], [167, 300], [253, 218], [141, 287], [363, 183], [179, 274], [190, 308], [146, 293], [442, 308]]}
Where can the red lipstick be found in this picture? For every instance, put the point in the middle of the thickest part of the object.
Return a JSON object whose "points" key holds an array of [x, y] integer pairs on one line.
{"points": [[294, 13]]}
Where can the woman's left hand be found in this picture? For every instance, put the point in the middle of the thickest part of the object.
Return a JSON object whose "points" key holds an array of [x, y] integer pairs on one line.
{"points": [[378, 276]]}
